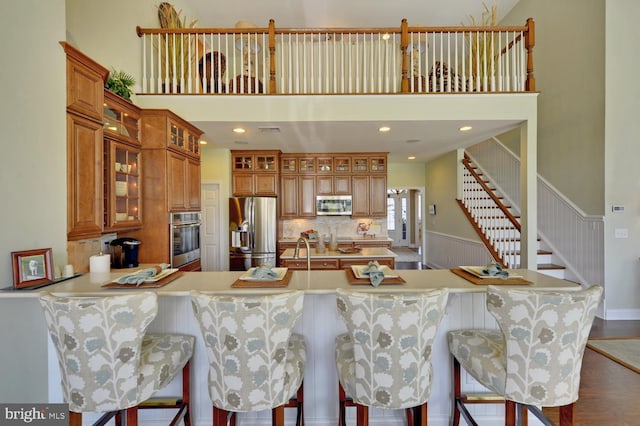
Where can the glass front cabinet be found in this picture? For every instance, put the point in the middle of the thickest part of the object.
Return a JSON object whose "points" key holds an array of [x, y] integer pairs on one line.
{"points": [[122, 164]]}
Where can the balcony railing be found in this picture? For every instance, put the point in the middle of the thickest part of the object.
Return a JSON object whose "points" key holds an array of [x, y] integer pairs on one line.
{"points": [[338, 61]]}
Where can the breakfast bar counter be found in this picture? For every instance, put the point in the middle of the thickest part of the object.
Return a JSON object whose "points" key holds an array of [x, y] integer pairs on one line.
{"points": [[319, 325]]}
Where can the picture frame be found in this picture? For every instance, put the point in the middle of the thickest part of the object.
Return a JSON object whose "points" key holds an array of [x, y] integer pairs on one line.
{"points": [[32, 267]]}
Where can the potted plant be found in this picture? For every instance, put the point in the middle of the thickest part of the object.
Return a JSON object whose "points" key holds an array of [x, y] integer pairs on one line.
{"points": [[120, 83]]}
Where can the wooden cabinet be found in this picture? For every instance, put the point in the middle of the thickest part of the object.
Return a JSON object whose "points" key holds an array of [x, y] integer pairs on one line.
{"points": [[316, 264], [84, 177], [85, 84], [333, 185], [122, 164], [85, 95], [297, 196], [122, 194], [168, 133], [254, 173], [369, 195]]}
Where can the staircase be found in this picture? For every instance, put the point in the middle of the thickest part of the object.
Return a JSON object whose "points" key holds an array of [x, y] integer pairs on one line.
{"points": [[497, 224]]}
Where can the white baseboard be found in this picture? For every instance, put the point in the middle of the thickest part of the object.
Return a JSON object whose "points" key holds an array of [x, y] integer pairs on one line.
{"points": [[622, 314]]}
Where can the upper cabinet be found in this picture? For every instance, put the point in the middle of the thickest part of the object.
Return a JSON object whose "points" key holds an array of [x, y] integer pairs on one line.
{"points": [[85, 83], [85, 98], [122, 164], [171, 156], [121, 119], [165, 129], [255, 172]]}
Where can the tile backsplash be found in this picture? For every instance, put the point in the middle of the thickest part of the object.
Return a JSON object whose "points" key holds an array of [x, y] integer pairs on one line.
{"points": [[342, 227]]}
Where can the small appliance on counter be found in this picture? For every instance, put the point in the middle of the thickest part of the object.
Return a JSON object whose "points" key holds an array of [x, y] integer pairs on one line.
{"points": [[124, 253]]}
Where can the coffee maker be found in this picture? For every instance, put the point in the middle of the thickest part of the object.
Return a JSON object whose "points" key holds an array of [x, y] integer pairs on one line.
{"points": [[124, 253]]}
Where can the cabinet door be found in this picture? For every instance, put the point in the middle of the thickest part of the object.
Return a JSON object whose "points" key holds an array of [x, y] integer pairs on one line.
{"points": [[265, 184], [242, 184], [342, 185], [324, 185], [378, 196], [307, 196], [122, 198], [84, 177], [176, 175], [360, 201], [193, 184], [289, 196]]}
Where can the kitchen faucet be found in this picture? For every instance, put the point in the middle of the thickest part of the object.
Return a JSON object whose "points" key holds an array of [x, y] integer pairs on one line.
{"points": [[296, 252]]}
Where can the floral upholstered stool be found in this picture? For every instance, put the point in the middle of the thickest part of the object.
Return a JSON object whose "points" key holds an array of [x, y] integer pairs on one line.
{"points": [[384, 360], [107, 361], [533, 360], [256, 362]]}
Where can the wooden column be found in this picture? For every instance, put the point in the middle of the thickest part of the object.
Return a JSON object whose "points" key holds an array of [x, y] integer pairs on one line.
{"points": [[529, 42], [404, 42], [272, 56]]}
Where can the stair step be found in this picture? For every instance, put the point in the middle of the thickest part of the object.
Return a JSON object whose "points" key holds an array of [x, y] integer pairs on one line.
{"points": [[548, 266]]}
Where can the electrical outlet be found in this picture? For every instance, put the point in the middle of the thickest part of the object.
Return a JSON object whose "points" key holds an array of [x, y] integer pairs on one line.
{"points": [[622, 233]]}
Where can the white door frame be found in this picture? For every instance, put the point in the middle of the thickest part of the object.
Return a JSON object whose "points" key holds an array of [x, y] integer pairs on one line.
{"points": [[221, 241]]}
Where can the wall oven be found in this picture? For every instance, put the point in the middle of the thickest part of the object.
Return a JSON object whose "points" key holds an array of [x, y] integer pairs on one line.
{"points": [[185, 238]]}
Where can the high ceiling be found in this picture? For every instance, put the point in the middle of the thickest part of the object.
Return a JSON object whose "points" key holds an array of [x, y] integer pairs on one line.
{"points": [[424, 139]]}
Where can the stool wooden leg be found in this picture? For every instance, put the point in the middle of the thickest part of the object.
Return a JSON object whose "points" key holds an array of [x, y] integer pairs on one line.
{"points": [[277, 416], [363, 415], [186, 392], [419, 415], [457, 392], [509, 413], [132, 416], [75, 419], [567, 414], [219, 417]]}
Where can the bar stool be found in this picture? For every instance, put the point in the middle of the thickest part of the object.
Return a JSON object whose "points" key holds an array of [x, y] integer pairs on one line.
{"points": [[108, 363], [534, 359], [384, 360], [256, 362]]}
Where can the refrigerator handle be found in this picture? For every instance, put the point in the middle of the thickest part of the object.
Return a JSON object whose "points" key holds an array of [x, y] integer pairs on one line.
{"points": [[252, 228]]}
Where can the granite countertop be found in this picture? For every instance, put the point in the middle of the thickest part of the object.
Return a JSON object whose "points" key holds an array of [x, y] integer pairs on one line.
{"points": [[372, 252], [312, 282], [352, 239]]}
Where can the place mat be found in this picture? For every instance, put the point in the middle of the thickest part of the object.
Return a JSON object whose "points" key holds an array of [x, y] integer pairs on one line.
{"points": [[351, 277], [263, 283], [493, 281], [155, 284], [624, 351]]}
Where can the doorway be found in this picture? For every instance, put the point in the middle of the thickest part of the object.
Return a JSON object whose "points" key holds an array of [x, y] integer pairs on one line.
{"points": [[210, 236], [405, 217]]}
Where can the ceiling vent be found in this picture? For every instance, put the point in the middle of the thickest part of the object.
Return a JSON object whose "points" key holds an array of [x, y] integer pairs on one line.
{"points": [[269, 129]]}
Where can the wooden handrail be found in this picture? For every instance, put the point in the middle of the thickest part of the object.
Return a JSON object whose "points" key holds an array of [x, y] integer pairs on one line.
{"points": [[515, 79], [507, 213], [485, 240]]}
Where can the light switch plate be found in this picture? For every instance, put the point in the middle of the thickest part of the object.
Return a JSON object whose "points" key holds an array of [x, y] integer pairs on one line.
{"points": [[622, 233]]}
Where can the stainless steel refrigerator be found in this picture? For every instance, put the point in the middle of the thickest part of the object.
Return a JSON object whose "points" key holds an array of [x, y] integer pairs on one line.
{"points": [[252, 232]]}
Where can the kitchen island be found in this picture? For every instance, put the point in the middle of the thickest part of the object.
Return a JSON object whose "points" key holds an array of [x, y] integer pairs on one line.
{"points": [[319, 324], [326, 259]]}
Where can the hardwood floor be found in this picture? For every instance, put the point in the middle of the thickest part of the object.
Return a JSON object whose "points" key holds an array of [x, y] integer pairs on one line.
{"points": [[608, 391]]}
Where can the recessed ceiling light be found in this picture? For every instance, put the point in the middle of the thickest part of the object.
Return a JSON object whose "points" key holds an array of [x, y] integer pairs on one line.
{"points": [[411, 157], [203, 142], [465, 128], [384, 129], [239, 130]]}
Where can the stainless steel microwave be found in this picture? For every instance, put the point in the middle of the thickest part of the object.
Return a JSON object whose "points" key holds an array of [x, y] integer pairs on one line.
{"points": [[333, 205]]}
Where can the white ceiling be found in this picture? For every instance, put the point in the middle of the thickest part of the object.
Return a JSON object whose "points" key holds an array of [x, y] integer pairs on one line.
{"points": [[424, 139]]}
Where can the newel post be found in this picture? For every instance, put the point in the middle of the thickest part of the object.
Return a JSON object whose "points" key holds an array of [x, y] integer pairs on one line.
{"points": [[404, 43], [529, 42], [272, 56]]}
